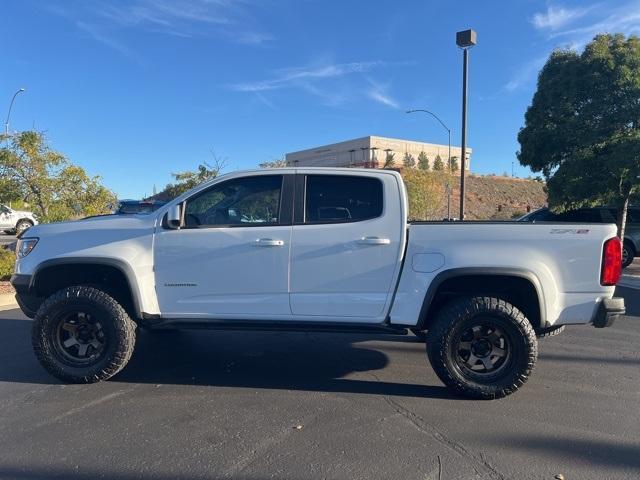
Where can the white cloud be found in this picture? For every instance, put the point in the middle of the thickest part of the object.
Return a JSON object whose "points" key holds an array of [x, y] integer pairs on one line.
{"points": [[573, 28], [99, 36], [230, 20], [625, 19], [163, 13], [296, 76], [378, 93], [383, 99], [264, 100], [557, 17], [332, 83], [525, 74]]}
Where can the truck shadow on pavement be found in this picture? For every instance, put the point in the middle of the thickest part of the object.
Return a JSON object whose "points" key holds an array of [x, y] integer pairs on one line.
{"points": [[279, 361], [274, 360]]}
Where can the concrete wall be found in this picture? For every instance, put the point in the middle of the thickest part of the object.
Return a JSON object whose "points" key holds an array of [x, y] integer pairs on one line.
{"points": [[371, 152]]}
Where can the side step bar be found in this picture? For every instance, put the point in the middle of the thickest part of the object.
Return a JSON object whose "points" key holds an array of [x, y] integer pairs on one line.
{"points": [[270, 326]]}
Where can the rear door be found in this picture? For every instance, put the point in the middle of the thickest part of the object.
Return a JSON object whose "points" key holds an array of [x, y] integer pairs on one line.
{"points": [[346, 245]]}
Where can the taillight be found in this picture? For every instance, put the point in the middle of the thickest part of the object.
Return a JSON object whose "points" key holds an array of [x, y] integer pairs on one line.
{"points": [[611, 262]]}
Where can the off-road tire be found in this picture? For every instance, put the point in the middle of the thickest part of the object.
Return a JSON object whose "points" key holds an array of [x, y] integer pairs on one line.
{"points": [[119, 332], [421, 335], [630, 254], [462, 314], [550, 332]]}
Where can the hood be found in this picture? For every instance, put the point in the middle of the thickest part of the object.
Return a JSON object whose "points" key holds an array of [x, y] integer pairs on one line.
{"points": [[22, 213], [103, 222]]}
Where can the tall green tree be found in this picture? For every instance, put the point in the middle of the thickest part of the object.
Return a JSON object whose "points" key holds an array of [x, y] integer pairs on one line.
{"points": [[57, 189], [438, 164], [408, 160], [389, 160], [278, 163], [424, 191], [10, 190], [189, 179], [423, 161], [453, 166], [582, 130]]}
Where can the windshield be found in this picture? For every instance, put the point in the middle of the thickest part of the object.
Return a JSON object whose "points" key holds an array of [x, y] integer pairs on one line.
{"points": [[127, 208]]}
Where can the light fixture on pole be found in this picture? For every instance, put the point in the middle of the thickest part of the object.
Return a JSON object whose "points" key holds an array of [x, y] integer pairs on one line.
{"points": [[449, 133], [465, 40], [6, 123], [441, 123]]}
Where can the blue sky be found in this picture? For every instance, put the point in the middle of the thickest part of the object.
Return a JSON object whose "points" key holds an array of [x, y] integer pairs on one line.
{"points": [[133, 90]]}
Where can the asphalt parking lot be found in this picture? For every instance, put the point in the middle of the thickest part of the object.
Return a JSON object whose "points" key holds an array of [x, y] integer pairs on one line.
{"points": [[303, 406]]}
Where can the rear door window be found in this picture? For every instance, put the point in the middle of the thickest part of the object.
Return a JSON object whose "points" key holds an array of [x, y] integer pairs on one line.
{"points": [[342, 198]]}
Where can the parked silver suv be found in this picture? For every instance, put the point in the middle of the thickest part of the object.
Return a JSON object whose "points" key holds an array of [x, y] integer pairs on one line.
{"points": [[631, 245], [15, 221]]}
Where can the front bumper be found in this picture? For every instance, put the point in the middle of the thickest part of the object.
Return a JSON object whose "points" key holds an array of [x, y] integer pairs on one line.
{"points": [[26, 298], [608, 312]]}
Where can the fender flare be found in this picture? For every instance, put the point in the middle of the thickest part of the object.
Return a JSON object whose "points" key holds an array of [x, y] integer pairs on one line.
{"points": [[441, 277], [116, 263]]}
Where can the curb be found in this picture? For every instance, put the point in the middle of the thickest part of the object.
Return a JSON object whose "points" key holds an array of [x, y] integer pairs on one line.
{"points": [[7, 300]]}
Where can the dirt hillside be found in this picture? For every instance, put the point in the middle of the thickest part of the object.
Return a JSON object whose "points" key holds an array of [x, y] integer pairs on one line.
{"points": [[493, 198]]}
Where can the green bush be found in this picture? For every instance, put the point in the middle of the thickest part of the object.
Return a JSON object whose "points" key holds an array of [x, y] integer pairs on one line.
{"points": [[7, 261]]}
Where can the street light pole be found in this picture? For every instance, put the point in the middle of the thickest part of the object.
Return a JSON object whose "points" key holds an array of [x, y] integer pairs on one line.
{"points": [[6, 123], [463, 157], [465, 40], [449, 160]]}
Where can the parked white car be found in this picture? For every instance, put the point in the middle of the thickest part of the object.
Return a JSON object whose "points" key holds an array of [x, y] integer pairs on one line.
{"points": [[15, 221], [314, 249]]}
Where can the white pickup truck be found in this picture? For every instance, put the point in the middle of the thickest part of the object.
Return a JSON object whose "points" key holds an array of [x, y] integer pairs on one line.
{"points": [[314, 249], [15, 221]]}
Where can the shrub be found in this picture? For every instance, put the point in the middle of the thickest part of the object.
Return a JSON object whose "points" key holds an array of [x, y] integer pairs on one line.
{"points": [[7, 261]]}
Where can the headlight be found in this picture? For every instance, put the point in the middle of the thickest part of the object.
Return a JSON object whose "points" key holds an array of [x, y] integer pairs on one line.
{"points": [[24, 246]]}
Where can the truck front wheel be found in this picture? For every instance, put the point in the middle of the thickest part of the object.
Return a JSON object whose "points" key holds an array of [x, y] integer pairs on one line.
{"points": [[482, 347], [82, 335]]}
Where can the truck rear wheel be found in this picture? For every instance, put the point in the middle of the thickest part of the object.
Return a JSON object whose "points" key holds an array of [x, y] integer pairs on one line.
{"points": [[628, 252], [82, 335], [482, 347]]}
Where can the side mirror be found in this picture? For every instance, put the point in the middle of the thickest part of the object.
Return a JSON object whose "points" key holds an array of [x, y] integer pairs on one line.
{"points": [[174, 217]]}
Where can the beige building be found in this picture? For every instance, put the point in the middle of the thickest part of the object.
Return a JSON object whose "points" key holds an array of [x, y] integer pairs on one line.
{"points": [[373, 152]]}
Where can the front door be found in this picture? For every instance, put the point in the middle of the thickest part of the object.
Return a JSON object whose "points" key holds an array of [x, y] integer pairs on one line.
{"points": [[231, 258], [346, 246]]}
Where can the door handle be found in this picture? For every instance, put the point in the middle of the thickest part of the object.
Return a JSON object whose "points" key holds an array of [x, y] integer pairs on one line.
{"points": [[268, 242], [374, 241]]}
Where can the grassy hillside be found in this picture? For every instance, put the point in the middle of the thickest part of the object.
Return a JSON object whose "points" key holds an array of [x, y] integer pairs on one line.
{"points": [[486, 197]]}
